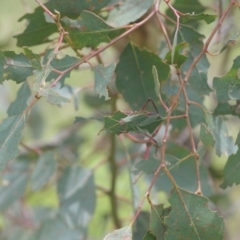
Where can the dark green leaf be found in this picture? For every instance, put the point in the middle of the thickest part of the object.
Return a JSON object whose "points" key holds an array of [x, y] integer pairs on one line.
{"points": [[134, 73], [191, 218], [136, 122], [89, 30], [102, 77], [227, 83], [201, 16], [140, 226], [186, 6], [120, 234], [61, 65], [157, 226], [128, 11], [198, 78], [206, 137], [231, 171], [223, 142], [18, 67], [178, 58], [20, 103], [37, 31], [44, 169], [76, 193], [75, 7], [227, 109], [10, 136], [149, 236]]}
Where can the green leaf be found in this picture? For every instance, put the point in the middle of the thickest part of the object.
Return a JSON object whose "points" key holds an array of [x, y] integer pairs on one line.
{"points": [[206, 137], [157, 226], [134, 73], [76, 191], [227, 109], [191, 218], [89, 30], [156, 80], [60, 65], [182, 171], [56, 229], [223, 142], [37, 31], [231, 171], [52, 96], [120, 234], [13, 188], [10, 136], [224, 85], [208, 18], [74, 9], [140, 226], [149, 236], [198, 78], [40, 78], [20, 103], [128, 11], [178, 58], [44, 169], [18, 67], [136, 122], [102, 77], [186, 6], [230, 42]]}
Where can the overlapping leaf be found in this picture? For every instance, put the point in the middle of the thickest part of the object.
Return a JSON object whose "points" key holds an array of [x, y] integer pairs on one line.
{"points": [[136, 122], [223, 142], [76, 193], [89, 30], [102, 77], [18, 67], [208, 18], [128, 11], [191, 218], [206, 137], [44, 169], [134, 73], [198, 78]]}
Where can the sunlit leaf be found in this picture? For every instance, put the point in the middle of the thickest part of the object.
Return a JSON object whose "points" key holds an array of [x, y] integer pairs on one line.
{"points": [[44, 169], [76, 191], [102, 77], [232, 41], [20, 103], [134, 73], [223, 142], [128, 11], [231, 171], [208, 18], [10, 136], [224, 85], [89, 30], [191, 218], [52, 96], [120, 234]]}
